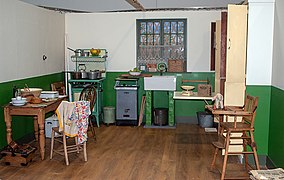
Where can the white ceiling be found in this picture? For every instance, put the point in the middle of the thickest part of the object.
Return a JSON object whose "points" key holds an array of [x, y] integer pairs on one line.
{"points": [[122, 5]]}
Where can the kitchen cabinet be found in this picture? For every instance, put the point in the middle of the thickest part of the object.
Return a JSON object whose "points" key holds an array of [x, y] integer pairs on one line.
{"points": [[235, 85], [89, 62]]}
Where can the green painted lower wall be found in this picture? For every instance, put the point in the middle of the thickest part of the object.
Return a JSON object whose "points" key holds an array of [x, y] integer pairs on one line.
{"points": [[22, 125], [276, 127], [269, 124], [262, 116]]}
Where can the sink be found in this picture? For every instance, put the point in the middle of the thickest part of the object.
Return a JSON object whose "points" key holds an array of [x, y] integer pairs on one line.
{"points": [[160, 83]]}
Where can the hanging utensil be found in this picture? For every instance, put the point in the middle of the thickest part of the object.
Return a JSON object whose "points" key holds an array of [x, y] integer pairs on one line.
{"points": [[78, 52], [27, 88]]}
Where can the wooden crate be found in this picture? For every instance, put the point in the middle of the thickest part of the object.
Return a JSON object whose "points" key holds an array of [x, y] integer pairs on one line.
{"points": [[204, 90], [175, 65], [18, 159]]}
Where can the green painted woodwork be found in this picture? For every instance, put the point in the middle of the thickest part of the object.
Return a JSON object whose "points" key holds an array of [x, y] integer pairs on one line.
{"points": [[171, 116], [22, 125], [262, 116], [148, 108], [276, 127], [183, 108]]}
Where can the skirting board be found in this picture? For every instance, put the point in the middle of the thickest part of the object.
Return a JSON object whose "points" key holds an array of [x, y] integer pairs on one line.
{"points": [[186, 119]]}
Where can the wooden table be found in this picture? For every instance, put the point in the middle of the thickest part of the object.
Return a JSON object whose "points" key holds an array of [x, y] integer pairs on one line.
{"points": [[36, 110], [194, 96]]}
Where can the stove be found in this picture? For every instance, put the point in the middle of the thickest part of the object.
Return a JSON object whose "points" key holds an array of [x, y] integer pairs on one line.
{"points": [[126, 101]]}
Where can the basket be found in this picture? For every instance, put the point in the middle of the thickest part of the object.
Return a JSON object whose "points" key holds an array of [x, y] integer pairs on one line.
{"points": [[175, 65], [30, 93], [204, 90]]}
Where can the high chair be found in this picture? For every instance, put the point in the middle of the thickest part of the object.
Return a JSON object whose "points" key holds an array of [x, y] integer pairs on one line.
{"points": [[245, 126]]}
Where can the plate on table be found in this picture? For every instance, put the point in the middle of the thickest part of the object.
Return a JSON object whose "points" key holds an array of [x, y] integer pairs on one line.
{"points": [[18, 104]]}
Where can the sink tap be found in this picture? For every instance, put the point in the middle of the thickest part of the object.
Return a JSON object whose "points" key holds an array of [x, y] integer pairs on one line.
{"points": [[161, 72]]}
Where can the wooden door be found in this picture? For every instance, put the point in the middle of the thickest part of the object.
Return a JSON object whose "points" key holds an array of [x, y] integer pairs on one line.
{"points": [[236, 43], [217, 55]]}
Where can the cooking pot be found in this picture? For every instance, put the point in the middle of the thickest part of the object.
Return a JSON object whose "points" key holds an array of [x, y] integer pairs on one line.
{"points": [[99, 74], [93, 74], [82, 69], [76, 75]]}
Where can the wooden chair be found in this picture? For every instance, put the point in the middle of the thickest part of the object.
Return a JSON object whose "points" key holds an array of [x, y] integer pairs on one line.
{"points": [[68, 129], [58, 86], [245, 126], [89, 93]]}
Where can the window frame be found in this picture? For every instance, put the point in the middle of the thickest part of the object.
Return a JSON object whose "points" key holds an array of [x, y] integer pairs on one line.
{"points": [[162, 43]]}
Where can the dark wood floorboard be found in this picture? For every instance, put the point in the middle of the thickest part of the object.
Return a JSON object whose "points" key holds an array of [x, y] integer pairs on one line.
{"points": [[129, 153]]}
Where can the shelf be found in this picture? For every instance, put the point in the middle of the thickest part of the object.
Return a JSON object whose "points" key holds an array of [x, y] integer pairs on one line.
{"points": [[99, 58], [86, 80], [88, 59]]}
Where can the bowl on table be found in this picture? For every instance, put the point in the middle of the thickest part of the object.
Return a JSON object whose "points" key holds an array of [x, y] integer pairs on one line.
{"points": [[187, 88], [134, 73], [19, 102]]}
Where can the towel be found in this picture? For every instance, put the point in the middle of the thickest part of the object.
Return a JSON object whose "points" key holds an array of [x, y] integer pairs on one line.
{"points": [[64, 112], [73, 119]]}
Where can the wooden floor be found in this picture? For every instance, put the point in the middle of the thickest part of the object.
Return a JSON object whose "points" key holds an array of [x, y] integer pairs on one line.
{"points": [[123, 152]]}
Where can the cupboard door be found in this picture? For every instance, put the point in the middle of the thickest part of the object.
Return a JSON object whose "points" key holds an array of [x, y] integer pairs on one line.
{"points": [[236, 43], [217, 55], [235, 93]]}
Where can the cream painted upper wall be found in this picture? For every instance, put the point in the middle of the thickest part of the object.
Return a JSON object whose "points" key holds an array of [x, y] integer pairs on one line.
{"points": [[278, 46], [27, 32], [117, 33], [260, 42]]}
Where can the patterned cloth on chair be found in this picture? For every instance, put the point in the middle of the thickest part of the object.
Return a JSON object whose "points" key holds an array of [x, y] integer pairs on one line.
{"points": [[73, 119]]}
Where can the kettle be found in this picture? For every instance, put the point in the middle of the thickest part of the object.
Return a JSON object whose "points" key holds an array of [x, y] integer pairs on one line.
{"points": [[82, 69]]}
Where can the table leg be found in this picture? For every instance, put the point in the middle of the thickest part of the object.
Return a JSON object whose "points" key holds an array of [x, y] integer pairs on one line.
{"points": [[8, 121], [36, 127], [41, 116]]}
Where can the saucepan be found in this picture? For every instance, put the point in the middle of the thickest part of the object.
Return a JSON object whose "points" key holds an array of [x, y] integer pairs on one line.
{"points": [[93, 74], [76, 75]]}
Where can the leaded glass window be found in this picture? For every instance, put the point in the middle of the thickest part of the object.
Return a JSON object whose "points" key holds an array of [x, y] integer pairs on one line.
{"points": [[159, 40]]}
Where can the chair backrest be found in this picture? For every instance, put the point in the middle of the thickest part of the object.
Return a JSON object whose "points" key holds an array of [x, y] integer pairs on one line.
{"points": [[58, 86], [89, 93], [251, 104]]}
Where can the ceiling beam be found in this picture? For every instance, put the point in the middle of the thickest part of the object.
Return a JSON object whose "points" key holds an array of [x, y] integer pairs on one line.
{"points": [[136, 4]]}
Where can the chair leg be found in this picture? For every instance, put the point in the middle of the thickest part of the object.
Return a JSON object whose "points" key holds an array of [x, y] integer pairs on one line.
{"points": [[92, 128], [65, 149], [76, 142], [245, 150], [253, 146], [226, 155], [52, 143], [214, 159], [85, 151]]}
